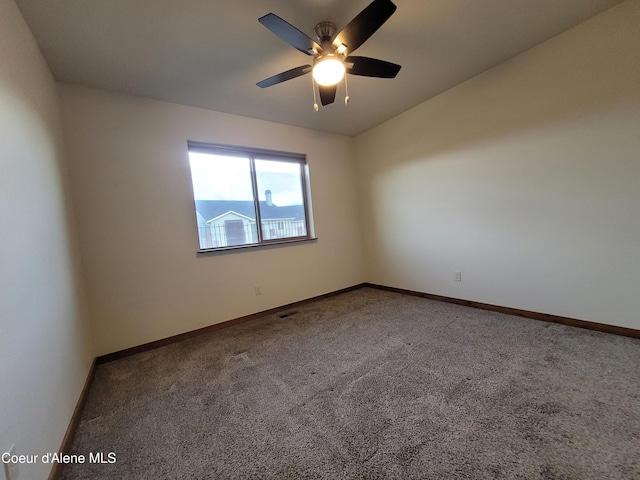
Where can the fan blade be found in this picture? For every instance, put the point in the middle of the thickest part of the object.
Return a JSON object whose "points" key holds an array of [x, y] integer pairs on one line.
{"points": [[371, 67], [290, 34], [327, 94], [364, 25], [284, 76]]}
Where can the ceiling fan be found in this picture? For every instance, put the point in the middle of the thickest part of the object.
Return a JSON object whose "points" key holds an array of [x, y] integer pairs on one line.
{"points": [[332, 53]]}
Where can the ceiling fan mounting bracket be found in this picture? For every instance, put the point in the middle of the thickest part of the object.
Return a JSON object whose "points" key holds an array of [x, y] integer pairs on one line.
{"points": [[325, 32]]}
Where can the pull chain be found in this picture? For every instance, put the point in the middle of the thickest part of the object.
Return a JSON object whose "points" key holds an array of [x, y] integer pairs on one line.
{"points": [[313, 86], [346, 90]]}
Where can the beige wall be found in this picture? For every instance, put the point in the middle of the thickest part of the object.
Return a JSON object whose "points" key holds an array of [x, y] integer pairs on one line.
{"points": [[524, 178], [132, 191], [45, 349]]}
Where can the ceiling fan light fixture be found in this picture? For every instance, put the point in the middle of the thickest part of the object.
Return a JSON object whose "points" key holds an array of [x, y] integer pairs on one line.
{"points": [[333, 52], [328, 70]]}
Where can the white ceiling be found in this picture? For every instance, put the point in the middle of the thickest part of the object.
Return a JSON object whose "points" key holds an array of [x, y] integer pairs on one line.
{"points": [[211, 53]]}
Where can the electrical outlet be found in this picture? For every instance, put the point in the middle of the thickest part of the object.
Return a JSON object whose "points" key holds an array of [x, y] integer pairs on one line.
{"points": [[11, 468], [258, 289], [457, 276]]}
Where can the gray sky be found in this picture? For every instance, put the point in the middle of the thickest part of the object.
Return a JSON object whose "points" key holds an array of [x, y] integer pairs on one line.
{"points": [[216, 177]]}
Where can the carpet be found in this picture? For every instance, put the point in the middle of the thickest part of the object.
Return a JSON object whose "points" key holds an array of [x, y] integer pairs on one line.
{"points": [[370, 384]]}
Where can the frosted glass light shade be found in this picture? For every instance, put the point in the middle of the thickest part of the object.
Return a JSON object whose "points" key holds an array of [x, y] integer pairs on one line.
{"points": [[328, 71]]}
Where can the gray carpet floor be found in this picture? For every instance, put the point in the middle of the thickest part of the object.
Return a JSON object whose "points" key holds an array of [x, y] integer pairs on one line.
{"points": [[371, 384]]}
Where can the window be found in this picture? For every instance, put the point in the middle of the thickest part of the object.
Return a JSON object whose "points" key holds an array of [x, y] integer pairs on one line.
{"points": [[246, 196]]}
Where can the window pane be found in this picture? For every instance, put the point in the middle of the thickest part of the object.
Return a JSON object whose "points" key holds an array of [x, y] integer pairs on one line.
{"points": [[223, 195], [247, 196], [280, 192]]}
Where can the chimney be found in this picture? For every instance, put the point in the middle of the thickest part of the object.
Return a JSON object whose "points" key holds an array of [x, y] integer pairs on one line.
{"points": [[267, 194]]}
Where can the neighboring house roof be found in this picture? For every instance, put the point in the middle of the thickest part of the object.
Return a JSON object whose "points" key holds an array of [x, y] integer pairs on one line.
{"points": [[230, 212], [210, 209]]}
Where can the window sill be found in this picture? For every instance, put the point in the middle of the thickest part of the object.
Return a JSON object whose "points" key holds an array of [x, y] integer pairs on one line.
{"points": [[265, 245]]}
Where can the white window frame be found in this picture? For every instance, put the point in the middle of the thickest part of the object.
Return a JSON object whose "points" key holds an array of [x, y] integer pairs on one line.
{"points": [[254, 154]]}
